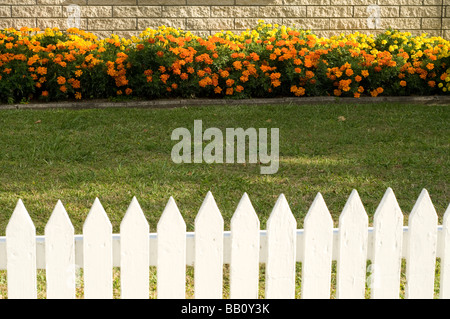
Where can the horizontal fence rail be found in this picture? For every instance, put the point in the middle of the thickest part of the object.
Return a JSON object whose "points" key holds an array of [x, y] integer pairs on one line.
{"points": [[97, 250], [190, 247]]}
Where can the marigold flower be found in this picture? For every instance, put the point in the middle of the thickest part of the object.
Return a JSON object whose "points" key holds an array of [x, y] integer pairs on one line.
{"points": [[403, 83], [44, 93], [61, 80], [229, 91], [63, 89], [78, 95], [128, 91]]}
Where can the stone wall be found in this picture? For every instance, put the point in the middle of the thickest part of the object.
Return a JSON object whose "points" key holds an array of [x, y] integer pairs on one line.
{"points": [[325, 17]]}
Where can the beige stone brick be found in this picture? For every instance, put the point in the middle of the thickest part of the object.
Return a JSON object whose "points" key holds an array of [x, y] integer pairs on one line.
{"points": [[91, 11], [155, 23], [60, 23], [282, 11], [17, 23], [258, 2], [243, 24], [209, 2], [307, 2], [112, 2], [5, 11], [137, 11], [161, 2], [401, 23], [399, 2], [186, 11], [420, 11], [234, 11], [385, 11], [352, 2], [209, 24], [17, 2], [329, 12], [308, 23], [112, 23], [431, 23], [62, 2], [348, 23], [36, 11]]}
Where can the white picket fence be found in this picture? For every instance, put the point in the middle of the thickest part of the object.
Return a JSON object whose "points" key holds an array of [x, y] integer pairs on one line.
{"points": [[171, 248]]}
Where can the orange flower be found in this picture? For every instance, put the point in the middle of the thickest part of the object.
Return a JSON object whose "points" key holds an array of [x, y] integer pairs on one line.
{"points": [[128, 91], [61, 80], [431, 84], [140, 47], [44, 93], [160, 54], [217, 90], [78, 95], [430, 66], [337, 92], [229, 91], [358, 78], [119, 92], [380, 90], [184, 76], [349, 72], [403, 83], [237, 65], [230, 82], [63, 89], [239, 88], [365, 73]]}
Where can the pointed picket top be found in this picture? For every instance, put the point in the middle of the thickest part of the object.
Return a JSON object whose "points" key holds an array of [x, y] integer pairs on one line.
{"points": [[318, 245], [280, 211], [97, 214], [134, 216], [20, 218], [444, 287], [208, 270], [387, 248], [388, 206], [244, 212], [59, 220], [21, 254], [60, 255], [208, 210], [134, 250], [421, 251], [352, 249], [281, 251], [97, 250], [171, 215], [171, 262], [245, 237]]}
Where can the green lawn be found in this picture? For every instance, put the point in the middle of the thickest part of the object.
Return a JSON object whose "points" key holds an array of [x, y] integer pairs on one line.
{"points": [[115, 154]]}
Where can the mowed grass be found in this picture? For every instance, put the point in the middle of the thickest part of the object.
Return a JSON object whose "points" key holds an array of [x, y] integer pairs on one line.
{"points": [[115, 154]]}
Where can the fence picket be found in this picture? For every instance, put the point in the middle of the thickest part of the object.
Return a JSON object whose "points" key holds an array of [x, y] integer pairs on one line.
{"points": [[445, 258], [208, 270], [171, 262], [97, 248], [421, 249], [387, 248], [318, 245], [134, 250], [244, 265], [21, 255], [352, 249], [60, 255], [281, 249]]}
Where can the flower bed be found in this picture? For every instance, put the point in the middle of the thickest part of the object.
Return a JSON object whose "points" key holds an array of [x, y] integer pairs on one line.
{"points": [[267, 61]]}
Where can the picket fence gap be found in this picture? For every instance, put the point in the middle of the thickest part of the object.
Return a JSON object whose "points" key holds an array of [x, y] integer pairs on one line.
{"points": [[244, 247]]}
